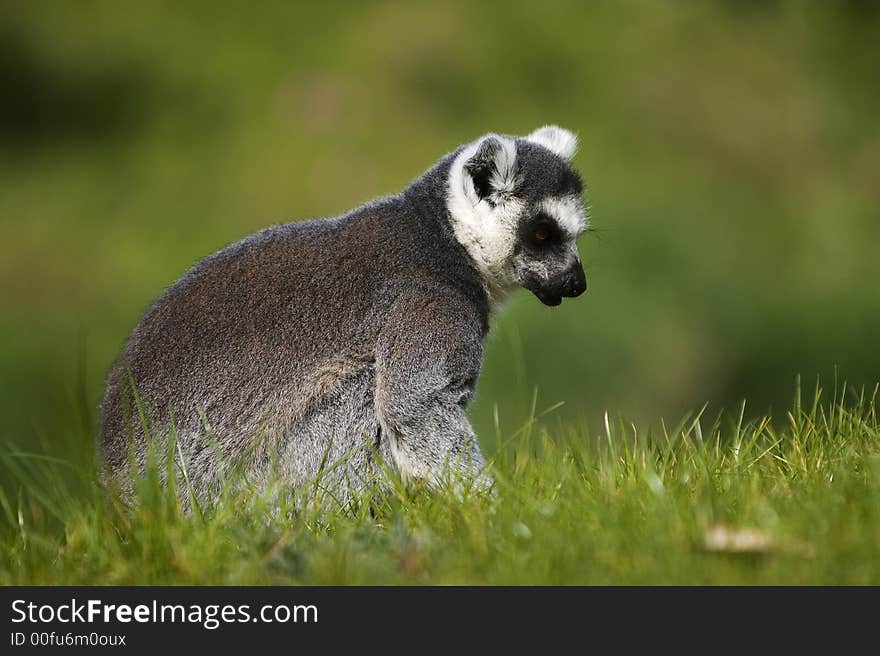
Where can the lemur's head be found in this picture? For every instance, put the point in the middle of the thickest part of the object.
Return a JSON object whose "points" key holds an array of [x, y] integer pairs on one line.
{"points": [[516, 207]]}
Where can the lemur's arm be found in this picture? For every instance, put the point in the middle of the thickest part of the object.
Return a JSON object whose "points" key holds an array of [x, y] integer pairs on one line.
{"points": [[428, 357]]}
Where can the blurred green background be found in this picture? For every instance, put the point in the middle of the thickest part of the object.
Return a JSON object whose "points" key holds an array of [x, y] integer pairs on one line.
{"points": [[731, 152]]}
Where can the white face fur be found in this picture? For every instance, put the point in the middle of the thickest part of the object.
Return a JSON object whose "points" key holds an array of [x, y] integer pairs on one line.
{"points": [[516, 208]]}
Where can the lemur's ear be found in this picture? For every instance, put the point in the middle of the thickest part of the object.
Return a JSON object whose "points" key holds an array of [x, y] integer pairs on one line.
{"points": [[492, 168], [559, 140]]}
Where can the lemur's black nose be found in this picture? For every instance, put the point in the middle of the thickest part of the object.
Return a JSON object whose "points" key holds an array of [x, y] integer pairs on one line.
{"points": [[576, 282]]}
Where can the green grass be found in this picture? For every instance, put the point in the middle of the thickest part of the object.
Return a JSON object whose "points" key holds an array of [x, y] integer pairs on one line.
{"points": [[790, 500]]}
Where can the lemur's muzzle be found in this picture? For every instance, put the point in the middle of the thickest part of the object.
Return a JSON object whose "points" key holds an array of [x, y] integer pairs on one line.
{"points": [[575, 281], [571, 283]]}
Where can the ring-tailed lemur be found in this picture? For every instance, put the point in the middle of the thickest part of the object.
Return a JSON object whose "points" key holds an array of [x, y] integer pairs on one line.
{"points": [[307, 343]]}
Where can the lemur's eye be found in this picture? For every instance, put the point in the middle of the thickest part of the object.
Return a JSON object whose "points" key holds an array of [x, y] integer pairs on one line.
{"points": [[542, 231]]}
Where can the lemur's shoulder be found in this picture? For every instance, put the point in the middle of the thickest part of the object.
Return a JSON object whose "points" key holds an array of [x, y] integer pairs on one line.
{"points": [[431, 308]]}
